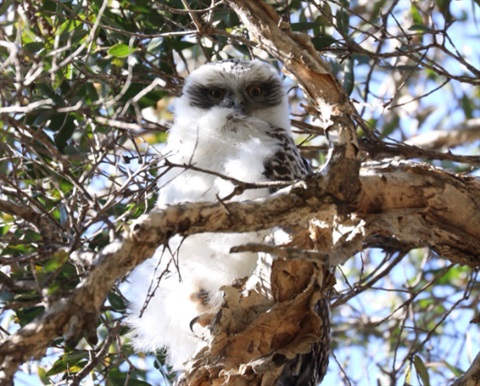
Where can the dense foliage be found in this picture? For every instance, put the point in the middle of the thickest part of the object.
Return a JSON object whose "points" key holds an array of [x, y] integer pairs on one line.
{"points": [[84, 93]]}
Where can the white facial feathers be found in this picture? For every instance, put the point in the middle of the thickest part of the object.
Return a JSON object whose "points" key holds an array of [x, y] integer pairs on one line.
{"points": [[252, 88]]}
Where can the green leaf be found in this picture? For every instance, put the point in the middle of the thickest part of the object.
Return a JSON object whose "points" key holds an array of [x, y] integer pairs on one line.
{"points": [[457, 372], [42, 373], [57, 260], [444, 7], [421, 370], [121, 50], [420, 27], [467, 106], [179, 45], [325, 18], [408, 374], [65, 131], [71, 361], [377, 8], [4, 6], [322, 42], [68, 26], [34, 47], [343, 19], [118, 62], [416, 16], [49, 5], [148, 100], [349, 80], [361, 58], [155, 44], [26, 315], [116, 302], [302, 26], [124, 380]]}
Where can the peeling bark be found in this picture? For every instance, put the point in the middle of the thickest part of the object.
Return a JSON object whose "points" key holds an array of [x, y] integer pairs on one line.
{"points": [[422, 205], [263, 324]]}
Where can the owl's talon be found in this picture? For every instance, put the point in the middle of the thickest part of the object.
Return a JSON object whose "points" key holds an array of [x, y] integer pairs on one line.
{"points": [[203, 319]]}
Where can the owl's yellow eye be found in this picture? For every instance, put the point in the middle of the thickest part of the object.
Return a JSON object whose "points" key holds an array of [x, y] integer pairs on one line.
{"points": [[216, 93], [254, 91]]}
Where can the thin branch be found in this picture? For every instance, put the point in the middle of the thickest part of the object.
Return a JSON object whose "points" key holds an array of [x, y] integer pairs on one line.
{"points": [[368, 284], [378, 149], [96, 357], [21, 285], [466, 132], [48, 103], [284, 252]]}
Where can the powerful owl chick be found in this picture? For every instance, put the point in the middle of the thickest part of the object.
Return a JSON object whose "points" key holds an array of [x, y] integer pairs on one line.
{"points": [[232, 119]]}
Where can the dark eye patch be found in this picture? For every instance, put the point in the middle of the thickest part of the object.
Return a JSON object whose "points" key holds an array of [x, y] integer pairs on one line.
{"points": [[205, 97], [258, 94], [217, 93], [267, 93]]}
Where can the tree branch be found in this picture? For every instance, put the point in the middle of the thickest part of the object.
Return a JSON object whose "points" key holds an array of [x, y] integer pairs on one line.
{"points": [[468, 132], [410, 202], [471, 376]]}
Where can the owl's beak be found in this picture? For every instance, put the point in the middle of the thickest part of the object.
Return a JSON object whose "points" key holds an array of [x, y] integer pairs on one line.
{"points": [[239, 108], [234, 102]]}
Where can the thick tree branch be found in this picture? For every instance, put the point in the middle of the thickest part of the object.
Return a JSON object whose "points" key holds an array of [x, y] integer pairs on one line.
{"points": [[471, 376], [421, 205], [397, 200], [294, 50]]}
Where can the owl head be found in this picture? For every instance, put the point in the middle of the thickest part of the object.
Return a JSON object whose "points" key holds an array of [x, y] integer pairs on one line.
{"points": [[248, 88]]}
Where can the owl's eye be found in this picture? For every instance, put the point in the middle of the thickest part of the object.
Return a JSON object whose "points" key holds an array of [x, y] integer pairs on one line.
{"points": [[216, 93], [254, 91]]}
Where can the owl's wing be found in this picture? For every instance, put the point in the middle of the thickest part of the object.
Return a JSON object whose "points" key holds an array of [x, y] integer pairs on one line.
{"points": [[309, 369], [286, 164]]}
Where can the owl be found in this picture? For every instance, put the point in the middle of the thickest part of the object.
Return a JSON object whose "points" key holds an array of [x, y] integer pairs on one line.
{"points": [[231, 120]]}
